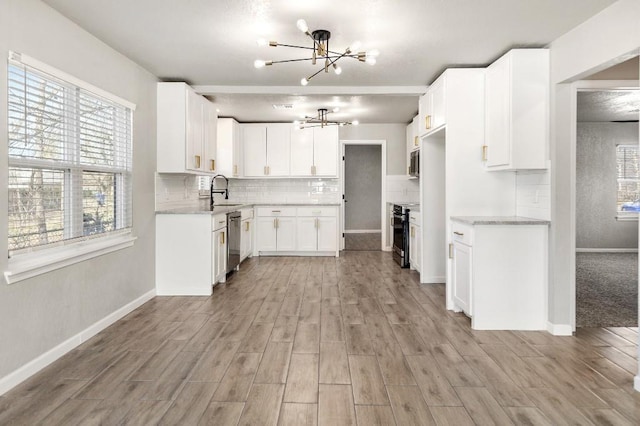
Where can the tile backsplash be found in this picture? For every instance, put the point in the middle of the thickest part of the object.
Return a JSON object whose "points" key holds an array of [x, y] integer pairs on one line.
{"points": [[401, 189], [174, 190], [533, 194]]}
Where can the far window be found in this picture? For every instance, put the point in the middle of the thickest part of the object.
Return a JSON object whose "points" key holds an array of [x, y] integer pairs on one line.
{"points": [[628, 202], [70, 161]]}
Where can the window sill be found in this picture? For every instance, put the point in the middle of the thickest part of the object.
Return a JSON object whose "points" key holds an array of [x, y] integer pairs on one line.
{"points": [[29, 265]]}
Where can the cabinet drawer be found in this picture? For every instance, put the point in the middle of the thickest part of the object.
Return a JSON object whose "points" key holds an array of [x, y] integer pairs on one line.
{"points": [[276, 211], [317, 211], [462, 233], [246, 214], [219, 221]]}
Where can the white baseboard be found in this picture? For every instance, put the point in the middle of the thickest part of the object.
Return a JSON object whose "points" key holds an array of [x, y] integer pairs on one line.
{"points": [[363, 231], [606, 250], [433, 280], [13, 379], [560, 329], [387, 248], [636, 383]]}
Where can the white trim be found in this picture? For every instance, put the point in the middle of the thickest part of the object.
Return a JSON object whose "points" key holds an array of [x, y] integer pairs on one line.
{"points": [[363, 231], [29, 265], [31, 62], [560, 329], [383, 184], [16, 377], [606, 250], [636, 383], [299, 253], [436, 279], [312, 90]]}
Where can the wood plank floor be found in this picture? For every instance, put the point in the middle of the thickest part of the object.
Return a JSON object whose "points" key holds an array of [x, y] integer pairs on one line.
{"points": [[325, 341]]}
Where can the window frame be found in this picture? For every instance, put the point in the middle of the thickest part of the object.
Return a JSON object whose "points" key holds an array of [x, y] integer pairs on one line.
{"points": [[623, 215], [24, 263]]}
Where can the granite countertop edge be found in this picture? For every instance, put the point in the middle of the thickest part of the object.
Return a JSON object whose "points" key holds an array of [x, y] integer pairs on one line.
{"points": [[499, 220], [220, 209]]}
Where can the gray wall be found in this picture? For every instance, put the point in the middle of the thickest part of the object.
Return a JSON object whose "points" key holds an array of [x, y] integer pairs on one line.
{"points": [[362, 187], [596, 225], [40, 313], [393, 133]]}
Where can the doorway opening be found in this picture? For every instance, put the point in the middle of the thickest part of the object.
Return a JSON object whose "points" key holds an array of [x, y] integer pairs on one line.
{"points": [[363, 183], [607, 206]]}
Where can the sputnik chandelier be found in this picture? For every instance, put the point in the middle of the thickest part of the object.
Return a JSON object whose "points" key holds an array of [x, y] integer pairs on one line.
{"points": [[319, 52], [321, 120]]}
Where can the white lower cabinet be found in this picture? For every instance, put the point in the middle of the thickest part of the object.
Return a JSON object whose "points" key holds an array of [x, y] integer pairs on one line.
{"points": [[499, 273], [297, 231], [276, 229], [415, 241], [190, 253]]}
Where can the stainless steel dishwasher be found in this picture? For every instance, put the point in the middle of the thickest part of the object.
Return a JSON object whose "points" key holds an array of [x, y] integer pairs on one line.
{"points": [[233, 245]]}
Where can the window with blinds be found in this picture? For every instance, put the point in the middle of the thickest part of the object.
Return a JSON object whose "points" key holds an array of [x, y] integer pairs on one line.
{"points": [[628, 170], [70, 161]]}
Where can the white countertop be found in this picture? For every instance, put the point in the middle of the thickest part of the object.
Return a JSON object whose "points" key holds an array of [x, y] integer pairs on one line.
{"points": [[220, 208], [499, 220]]}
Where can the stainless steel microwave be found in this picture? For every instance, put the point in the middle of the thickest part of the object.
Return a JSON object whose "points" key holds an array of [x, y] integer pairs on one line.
{"points": [[414, 163]]}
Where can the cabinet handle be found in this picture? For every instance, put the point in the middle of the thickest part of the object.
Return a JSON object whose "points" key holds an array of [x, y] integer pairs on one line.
{"points": [[484, 152], [274, 223], [213, 165], [197, 161], [415, 141], [235, 170], [427, 122], [246, 226], [413, 232], [458, 233], [275, 211], [315, 223], [221, 238], [450, 251], [277, 223]]}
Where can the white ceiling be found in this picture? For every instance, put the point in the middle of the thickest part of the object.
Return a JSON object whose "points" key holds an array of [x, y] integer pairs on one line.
{"points": [[205, 42]]}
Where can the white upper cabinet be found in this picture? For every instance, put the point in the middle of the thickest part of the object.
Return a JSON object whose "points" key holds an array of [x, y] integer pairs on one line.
{"points": [[413, 140], [432, 107], [186, 130], [517, 111], [266, 149], [228, 161], [314, 151]]}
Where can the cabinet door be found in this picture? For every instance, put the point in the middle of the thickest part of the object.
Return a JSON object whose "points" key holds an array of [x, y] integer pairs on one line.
{"points": [[302, 152], [424, 116], [325, 151], [417, 258], [278, 149], [254, 148], [497, 115], [220, 254], [195, 131], [412, 245], [210, 137], [438, 106], [266, 234], [327, 233], [307, 234], [236, 162], [286, 238], [462, 276], [409, 141]]}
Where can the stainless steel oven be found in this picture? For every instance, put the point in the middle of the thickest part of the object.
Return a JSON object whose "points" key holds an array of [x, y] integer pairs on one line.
{"points": [[401, 235]]}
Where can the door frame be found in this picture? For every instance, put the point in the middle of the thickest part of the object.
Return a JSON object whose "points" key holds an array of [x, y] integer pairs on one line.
{"points": [[578, 86], [383, 184]]}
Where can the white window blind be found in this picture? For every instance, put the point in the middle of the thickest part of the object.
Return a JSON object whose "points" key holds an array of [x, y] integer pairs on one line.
{"points": [[70, 160], [628, 177]]}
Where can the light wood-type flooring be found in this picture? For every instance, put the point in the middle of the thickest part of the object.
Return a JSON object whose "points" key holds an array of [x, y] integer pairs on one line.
{"points": [[326, 341]]}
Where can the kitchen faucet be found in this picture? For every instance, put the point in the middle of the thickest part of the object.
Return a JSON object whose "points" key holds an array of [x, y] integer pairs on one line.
{"points": [[219, 191]]}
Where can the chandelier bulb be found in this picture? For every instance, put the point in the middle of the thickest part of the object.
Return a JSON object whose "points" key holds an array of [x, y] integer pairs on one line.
{"points": [[355, 122], [302, 25], [371, 61], [337, 69], [261, 42], [336, 109], [304, 81], [373, 53], [355, 46], [258, 63]]}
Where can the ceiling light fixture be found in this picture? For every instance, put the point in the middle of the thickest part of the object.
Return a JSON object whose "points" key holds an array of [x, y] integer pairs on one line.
{"points": [[319, 52], [321, 120]]}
